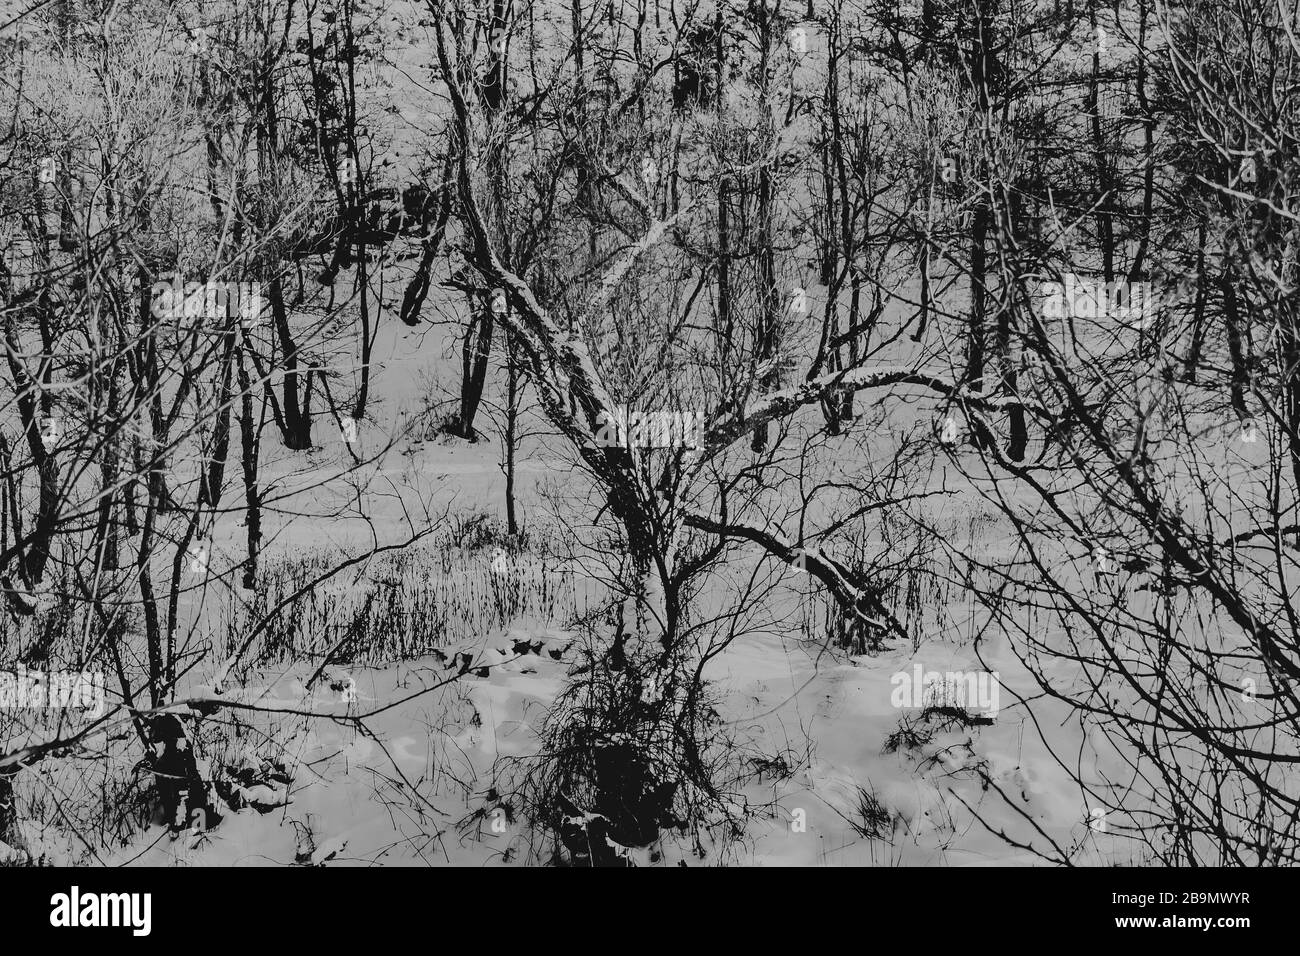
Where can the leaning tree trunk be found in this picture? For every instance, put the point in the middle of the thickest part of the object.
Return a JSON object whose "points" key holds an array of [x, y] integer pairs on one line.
{"points": [[476, 348]]}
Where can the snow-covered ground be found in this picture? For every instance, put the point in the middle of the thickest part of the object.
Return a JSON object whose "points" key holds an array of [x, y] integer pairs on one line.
{"points": [[431, 786]]}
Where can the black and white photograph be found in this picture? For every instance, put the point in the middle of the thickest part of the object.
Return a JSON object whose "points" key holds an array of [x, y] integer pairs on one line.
{"points": [[650, 433]]}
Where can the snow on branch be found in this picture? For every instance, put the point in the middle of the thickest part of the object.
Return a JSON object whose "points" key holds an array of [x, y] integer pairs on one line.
{"points": [[778, 404], [849, 591]]}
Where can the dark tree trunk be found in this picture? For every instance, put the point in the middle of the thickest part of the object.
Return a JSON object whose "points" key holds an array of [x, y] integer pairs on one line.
{"points": [[978, 269], [510, 438], [248, 434], [295, 425], [476, 348], [1236, 353]]}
